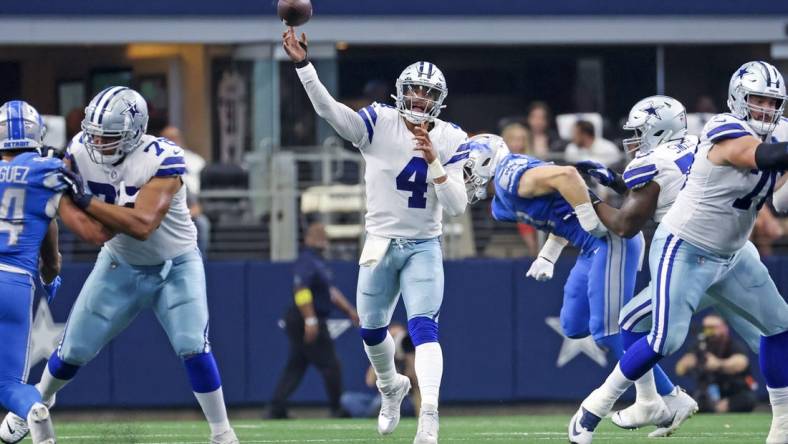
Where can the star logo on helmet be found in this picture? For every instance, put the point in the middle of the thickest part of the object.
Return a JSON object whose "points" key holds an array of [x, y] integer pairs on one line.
{"points": [[742, 72], [652, 110], [133, 111]]}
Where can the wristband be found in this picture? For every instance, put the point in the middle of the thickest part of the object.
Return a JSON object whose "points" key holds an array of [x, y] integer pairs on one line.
{"points": [[302, 63], [310, 321], [435, 170], [551, 250]]}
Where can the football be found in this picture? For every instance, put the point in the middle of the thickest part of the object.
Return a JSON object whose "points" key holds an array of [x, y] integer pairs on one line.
{"points": [[294, 12]]}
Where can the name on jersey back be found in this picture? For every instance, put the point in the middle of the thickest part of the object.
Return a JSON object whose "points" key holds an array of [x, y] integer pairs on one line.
{"points": [[14, 174]]}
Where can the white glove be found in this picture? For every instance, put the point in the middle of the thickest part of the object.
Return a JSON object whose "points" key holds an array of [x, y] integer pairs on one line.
{"points": [[541, 270]]}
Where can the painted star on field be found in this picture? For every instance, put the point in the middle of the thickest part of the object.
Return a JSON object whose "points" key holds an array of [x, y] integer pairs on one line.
{"points": [[571, 348]]}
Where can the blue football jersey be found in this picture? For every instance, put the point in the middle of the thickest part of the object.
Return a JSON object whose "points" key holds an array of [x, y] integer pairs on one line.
{"points": [[29, 188], [549, 213]]}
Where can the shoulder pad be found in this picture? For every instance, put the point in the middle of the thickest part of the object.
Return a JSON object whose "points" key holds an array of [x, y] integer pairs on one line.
{"points": [[641, 171], [725, 126]]}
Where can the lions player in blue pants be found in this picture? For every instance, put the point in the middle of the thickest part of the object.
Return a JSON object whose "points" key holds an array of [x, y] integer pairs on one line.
{"points": [[413, 173], [700, 249], [31, 189], [555, 199], [134, 187]]}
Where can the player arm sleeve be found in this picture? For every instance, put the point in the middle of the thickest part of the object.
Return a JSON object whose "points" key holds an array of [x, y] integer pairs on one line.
{"points": [[772, 156], [347, 123], [553, 247], [451, 193]]}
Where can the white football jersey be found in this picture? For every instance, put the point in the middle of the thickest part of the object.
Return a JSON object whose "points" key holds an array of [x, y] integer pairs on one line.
{"points": [[401, 202], [668, 165], [120, 184], [717, 208]]}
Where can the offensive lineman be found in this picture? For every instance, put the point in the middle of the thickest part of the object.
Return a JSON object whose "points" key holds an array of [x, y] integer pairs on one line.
{"points": [[137, 191], [413, 173], [31, 187], [701, 248]]}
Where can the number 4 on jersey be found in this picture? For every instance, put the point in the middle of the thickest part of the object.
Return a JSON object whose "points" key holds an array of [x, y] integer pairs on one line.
{"points": [[413, 178]]}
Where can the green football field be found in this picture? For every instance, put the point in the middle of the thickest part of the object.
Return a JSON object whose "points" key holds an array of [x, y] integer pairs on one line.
{"points": [[751, 428]]}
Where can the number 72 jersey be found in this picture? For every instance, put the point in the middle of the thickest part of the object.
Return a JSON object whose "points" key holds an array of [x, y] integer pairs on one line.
{"points": [[401, 202], [119, 184], [717, 208]]}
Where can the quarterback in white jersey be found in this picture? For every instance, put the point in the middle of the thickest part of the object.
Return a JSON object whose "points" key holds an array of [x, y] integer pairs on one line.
{"points": [[413, 173], [131, 183], [700, 248]]}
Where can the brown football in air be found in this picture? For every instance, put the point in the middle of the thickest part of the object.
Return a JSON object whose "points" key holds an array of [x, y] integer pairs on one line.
{"points": [[294, 12]]}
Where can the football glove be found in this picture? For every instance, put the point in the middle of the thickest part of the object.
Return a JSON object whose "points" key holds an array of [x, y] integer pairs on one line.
{"points": [[51, 288], [541, 269], [598, 171], [76, 188]]}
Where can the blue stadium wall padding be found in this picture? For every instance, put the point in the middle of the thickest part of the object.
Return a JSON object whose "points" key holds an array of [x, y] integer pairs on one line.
{"points": [[495, 329]]}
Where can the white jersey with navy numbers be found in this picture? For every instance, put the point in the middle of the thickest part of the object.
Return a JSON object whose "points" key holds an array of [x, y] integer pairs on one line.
{"points": [[668, 165], [401, 202], [717, 208], [119, 184]]}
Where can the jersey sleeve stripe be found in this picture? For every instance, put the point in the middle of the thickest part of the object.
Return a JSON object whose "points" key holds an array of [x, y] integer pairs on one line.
{"points": [[172, 160], [365, 117], [728, 135], [724, 128], [639, 179], [639, 170], [170, 172], [458, 157], [372, 114]]}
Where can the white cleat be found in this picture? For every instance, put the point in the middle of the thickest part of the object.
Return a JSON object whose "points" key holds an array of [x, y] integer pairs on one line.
{"points": [[682, 407], [641, 414], [40, 424], [582, 426], [427, 433], [778, 433], [391, 399], [227, 437], [14, 429]]}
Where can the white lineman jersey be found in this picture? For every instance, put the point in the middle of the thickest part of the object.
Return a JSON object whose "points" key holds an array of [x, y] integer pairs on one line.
{"points": [[119, 184], [717, 208], [668, 165], [401, 202]]}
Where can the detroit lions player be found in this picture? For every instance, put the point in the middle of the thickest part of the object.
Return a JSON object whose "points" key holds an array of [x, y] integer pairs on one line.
{"points": [[555, 199], [413, 173], [152, 263], [31, 189], [701, 248]]}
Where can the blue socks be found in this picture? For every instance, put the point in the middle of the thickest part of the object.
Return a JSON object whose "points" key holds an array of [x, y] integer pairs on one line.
{"points": [[423, 330], [18, 397], [638, 359], [774, 360], [60, 369], [612, 344], [663, 383], [373, 336], [203, 373]]}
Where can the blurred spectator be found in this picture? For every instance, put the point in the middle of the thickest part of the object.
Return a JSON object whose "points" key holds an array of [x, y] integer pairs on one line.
{"points": [[367, 404], [766, 231], [587, 146], [194, 166], [517, 138], [705, 104], [545, 141], [305, 324], [74, 123], [721, 366]]}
